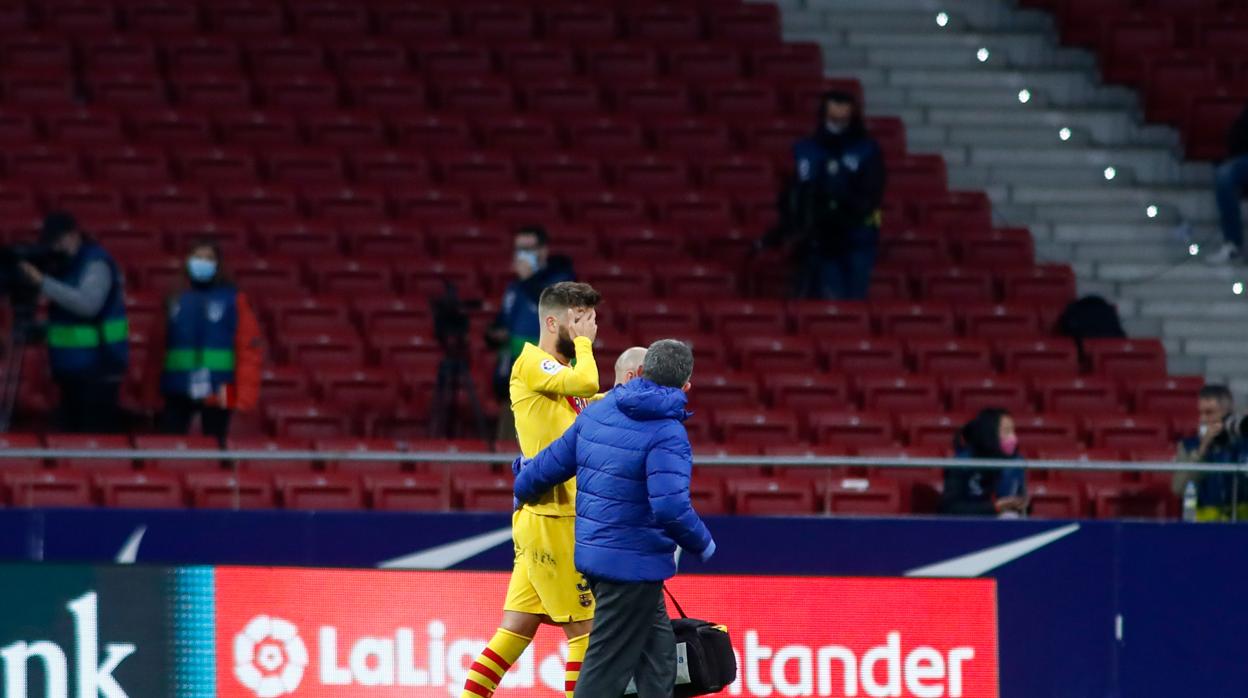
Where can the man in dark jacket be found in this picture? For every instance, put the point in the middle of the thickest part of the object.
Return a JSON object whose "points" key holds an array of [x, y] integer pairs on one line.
{"points": [[517, 321], [631, 458], [833, 206], [1214, 443], [1231, 177]]}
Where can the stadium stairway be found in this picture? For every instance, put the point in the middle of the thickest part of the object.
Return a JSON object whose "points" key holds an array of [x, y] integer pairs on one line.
{"points": [[921, 60]]}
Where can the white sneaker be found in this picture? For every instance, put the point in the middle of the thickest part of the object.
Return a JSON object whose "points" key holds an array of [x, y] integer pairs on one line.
{"points": [[1226, 255]]}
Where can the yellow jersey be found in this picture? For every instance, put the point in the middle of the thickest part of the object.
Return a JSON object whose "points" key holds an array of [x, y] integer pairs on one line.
{"points": [[546, 397]]}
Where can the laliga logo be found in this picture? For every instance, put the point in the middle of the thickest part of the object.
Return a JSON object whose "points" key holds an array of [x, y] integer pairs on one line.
{"points": [[269, 657]]}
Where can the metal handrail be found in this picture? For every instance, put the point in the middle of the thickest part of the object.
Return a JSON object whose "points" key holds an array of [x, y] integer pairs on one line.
{"points": [[701, 460]]}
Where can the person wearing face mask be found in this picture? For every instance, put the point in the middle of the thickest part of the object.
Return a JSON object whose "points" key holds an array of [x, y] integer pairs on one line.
{"points": [[517, 322], [833, 206], [1214, 443], [986, 491], [212, 349], [88, 335]]}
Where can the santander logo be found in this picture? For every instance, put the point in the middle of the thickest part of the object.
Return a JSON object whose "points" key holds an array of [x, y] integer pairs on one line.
{"points": [[269, 657]]}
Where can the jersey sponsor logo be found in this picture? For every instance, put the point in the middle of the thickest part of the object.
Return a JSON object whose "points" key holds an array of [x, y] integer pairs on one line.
{"points": [[551, 366], [577, 403]]}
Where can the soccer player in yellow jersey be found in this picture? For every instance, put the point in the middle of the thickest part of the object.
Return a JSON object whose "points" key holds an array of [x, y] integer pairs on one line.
{"points": [[550, 383]]}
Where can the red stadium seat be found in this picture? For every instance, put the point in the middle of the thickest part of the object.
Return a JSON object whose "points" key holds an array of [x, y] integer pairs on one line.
{"points": [[388, 92], [559, 170], [1129, 502], [563, 97], [305, 420], [129, 163], [432, 204], [651, 98], [914, 249], [803, 391], [663, 23], [741, 99], [258, 202], [518, 133], [161, 442], [90, 442], [284, 56], [738, 318], [719, 390], [951, 356], [745, 24], [407, 492], [229, 491], [320, 491], [331, 19], [13, 441], [423, 21], [285, 384], [535, 60], [899, 393], [1081, 396], [305, 165], [245, 18], [973, 393], [604, 134], [275, 446], [258, 128], [1172, 396], [1000, 248], [387, 166], [931, 430], [914, 320], [876, 496], [787, 62], [580, 23], [1050, 430], [217, 164], [369, 57], [763, 354], [483, 492], [771, 496], [1056, 500], [998, 321], [672, 316], [359, 390], [860, 356], [1050, 284], [1048, 357], [403, 350], [1127, 432], [618, 281], [957, 286], [823, 319], [48, 489], [620, 62], [140, 490], [1127, 358], [850, 429], [754, 426], [354, 446]]}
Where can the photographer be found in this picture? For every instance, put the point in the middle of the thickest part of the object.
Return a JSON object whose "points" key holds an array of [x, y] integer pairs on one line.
{"points": [[1218, 440], [832, 208], [88, 337], [517, 321]]}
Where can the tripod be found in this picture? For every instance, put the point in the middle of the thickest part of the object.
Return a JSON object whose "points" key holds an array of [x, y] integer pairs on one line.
{"points": [[454, 375], [19, 338]]}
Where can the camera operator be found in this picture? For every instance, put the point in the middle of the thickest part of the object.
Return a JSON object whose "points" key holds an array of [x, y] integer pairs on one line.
{"points": [[1219, 439], [88, 336], [832, 208], [517, 321]]}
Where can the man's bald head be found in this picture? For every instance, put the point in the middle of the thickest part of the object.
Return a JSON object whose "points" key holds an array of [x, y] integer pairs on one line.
{"points": [[628, 366]]}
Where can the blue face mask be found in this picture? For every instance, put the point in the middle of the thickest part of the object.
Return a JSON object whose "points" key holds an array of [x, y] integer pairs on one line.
{"points": [[528, 256], [201, 270]]}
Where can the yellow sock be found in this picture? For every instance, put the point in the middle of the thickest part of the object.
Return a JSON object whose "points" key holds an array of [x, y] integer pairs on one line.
{"points": [[487, 672], [576, 654]]}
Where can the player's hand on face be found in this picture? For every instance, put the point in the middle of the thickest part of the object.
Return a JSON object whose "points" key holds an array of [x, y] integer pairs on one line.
{"points": [[585, 324]]}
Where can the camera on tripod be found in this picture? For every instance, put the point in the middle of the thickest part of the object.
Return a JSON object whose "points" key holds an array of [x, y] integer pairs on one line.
{"points": [[22, 294]]}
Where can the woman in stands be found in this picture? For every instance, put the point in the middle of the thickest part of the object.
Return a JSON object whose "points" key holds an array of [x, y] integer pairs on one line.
{"points": [[986, 491], [212, 349]]}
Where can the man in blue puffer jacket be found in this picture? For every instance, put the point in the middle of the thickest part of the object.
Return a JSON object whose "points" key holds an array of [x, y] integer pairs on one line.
{"points": [[631, 458]]}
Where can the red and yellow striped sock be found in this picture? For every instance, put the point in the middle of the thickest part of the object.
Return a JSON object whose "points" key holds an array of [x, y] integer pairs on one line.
{"points": [[487, 671], [576, 654]]}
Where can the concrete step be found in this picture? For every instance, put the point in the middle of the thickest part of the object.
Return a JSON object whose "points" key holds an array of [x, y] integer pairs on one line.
{"points": [[1211, 328]]}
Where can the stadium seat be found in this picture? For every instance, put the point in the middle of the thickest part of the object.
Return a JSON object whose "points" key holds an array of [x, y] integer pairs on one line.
{"points": [[998, 321], [1080, 396], [931, 430], [139, 490], [1048, 357], [824, 319], [1049, 284], [947, 357], [850, 429], [12, 441], [162, 442], [913, 320], [401, 93], [48, 489], [382, 239], [1127, 432], [358, 389], [971, 393], [718, 390], [899, 393], [1056, 500], [365, 57], [771, 496], [996, 249], [863, 356], [752, 426], [208, 490], [663, 24], [1173, 396], [483, 492], [803, 391], [319, 491], [852, 496], [407, 492], [766, 355], [604, 134], [1130, 502], [302, 420], [1043, 431], [91, 442], [1132, 359], [358, 446], [616, 61]]}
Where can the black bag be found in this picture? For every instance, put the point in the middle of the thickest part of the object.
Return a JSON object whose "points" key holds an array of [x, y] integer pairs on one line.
{"points": [[1090, 317], [708, 655]]}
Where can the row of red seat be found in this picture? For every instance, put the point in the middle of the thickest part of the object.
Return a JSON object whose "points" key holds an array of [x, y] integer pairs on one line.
{"points": [[712, 494], [571, 22], [436, 59], [413, 129]]}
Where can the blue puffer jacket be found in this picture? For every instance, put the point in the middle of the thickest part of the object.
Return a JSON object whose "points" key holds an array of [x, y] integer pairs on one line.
{"points": [[631, 458]]}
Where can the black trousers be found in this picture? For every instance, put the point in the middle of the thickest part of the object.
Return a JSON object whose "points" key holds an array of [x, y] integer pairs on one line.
{"points": [[89, 405], [632, 638], [181, 410]]}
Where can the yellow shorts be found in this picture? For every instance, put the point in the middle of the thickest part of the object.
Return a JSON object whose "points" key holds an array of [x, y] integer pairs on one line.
{"points": [[544, 580]]}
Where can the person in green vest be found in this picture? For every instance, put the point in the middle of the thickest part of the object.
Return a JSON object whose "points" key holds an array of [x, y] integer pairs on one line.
{"points": [[88, 336], [213, 351]]}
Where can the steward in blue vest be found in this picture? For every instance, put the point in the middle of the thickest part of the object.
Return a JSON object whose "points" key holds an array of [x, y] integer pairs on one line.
{"points": [[212, 355], [87, 333]]}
